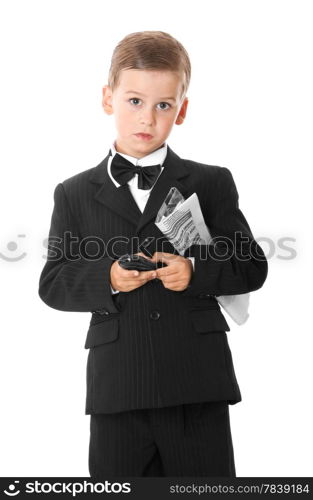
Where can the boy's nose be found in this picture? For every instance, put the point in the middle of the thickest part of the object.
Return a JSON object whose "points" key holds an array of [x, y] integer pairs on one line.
{"points": [[146, 118]]}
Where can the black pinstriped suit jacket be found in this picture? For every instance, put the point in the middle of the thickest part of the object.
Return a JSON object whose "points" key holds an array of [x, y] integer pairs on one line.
{"points": [[150, 347]]}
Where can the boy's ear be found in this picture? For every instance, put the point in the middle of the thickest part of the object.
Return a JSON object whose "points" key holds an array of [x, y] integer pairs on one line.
{"points": [[107, 100], [182, 113]]}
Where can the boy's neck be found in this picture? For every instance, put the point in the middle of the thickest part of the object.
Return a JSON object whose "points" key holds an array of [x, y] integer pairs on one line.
{"points": [[117, 149]]}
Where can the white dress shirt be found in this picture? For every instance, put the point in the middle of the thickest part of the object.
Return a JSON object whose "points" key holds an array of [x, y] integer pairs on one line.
{"points": [[140, 196]]}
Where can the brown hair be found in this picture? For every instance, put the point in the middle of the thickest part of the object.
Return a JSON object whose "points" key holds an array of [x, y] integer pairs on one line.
{"points": [[150, 50]]}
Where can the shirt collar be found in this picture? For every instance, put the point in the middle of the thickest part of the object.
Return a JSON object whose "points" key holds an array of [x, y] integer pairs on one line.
{"points": [[157, 157]]}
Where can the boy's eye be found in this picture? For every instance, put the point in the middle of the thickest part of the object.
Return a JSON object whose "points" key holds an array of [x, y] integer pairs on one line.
{"points": [[135, 101], [166, 104]]}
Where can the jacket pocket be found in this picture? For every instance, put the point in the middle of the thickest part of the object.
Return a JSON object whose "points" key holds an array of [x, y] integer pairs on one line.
{"points": [[209, 320], [102, 332]]}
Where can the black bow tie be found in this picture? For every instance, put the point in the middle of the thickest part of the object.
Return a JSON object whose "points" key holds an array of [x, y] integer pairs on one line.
{"points": [[123, 170]]}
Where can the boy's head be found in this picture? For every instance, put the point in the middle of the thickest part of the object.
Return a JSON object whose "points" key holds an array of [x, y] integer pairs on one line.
{"points": [[148, 81]]}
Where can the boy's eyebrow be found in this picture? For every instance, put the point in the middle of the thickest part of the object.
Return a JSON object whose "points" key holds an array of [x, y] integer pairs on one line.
{"points": [[139, 93]]}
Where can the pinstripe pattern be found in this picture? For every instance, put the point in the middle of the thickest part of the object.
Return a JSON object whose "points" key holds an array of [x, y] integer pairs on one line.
{"points": [[136, 360], [185, 440]]}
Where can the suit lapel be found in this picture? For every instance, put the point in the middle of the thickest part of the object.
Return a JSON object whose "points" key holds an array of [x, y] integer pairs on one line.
{"points": [[121, 201], [172, 175]]}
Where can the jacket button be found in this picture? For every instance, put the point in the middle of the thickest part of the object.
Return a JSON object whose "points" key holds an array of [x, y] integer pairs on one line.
{"points": [[155, 315]]}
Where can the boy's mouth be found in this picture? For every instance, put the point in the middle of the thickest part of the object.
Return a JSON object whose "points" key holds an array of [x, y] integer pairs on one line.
{"points": [[144, 137]]}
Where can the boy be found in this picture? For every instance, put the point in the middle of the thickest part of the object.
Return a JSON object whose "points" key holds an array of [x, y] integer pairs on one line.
{"points": [[160, 375]]}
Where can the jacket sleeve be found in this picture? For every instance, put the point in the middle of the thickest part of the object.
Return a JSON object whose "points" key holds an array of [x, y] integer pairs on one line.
{"points": [[233, 263], [71, 280]]}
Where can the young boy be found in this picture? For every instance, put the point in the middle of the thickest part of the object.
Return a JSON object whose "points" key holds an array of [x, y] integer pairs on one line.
{"points": [[160, 375]]}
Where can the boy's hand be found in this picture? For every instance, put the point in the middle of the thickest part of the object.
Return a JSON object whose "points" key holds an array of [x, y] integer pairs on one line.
{"points": [[178, 272], [125, 280]]}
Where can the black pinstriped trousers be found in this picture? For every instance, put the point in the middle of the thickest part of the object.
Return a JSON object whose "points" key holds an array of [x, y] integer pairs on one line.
{"points": [[185, 440]]}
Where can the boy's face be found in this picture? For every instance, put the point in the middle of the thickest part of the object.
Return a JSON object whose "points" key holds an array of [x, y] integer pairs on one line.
{"points": [[144, 102]]}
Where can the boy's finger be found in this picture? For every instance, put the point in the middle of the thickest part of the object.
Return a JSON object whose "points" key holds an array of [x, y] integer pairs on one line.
{"points": [[139, 281], [148, 274], [166, 271], [164, 257], [128, 273], [141, 275]]}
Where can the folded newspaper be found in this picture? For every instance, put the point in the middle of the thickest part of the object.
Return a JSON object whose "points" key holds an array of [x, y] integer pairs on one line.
{"points": [[182, 222]]}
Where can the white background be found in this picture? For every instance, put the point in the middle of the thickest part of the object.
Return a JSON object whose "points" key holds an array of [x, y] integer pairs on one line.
{"points": [[250, 110]]}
